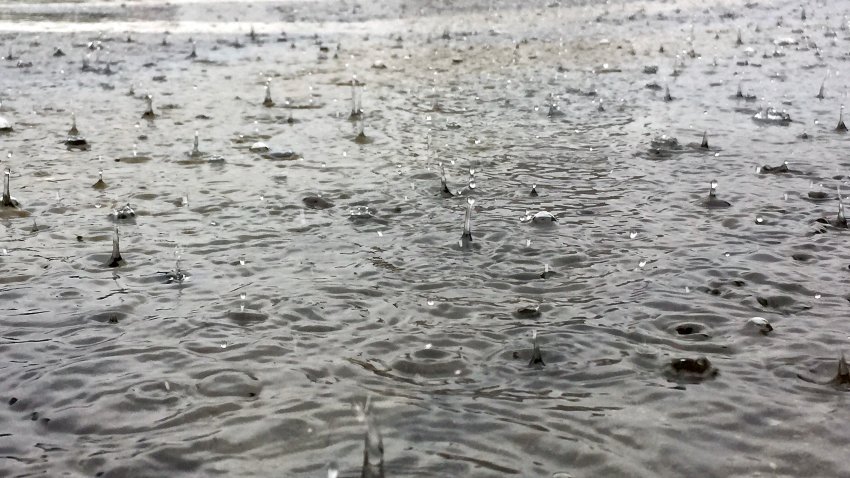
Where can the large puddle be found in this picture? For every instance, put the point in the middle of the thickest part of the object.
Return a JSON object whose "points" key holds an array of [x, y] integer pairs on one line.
{"points": [[646, 179]]}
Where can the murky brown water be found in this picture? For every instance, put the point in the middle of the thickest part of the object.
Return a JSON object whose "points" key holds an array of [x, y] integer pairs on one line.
{"points": [[291, 313]]}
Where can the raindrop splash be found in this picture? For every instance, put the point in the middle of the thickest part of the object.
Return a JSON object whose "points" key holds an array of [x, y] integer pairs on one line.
{"points": [[100, 184], [115, 259], [466, 237], [149, 113], [373, 449], [195, 151], [267, 102], [712, 202], [356, 94], [536, 356], [841, 127], [8, 200], [444, 187]]}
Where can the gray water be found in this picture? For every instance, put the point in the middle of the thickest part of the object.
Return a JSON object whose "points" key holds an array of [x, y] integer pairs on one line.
{"points": [[283, 319]]}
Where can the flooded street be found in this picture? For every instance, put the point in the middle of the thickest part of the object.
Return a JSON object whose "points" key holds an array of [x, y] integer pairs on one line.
{"points": [[546, 239]]}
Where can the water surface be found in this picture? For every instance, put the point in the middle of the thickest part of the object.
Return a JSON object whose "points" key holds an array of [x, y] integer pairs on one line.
{"points": [[292, 312]]}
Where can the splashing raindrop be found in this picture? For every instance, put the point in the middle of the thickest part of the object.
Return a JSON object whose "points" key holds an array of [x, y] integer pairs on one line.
{"points": [[466, 237], [373, 450], [444, 187], [149, 113], [267, 102], [536, 356], [115, 259], [100, 184], [712, 202], [8, 200], [841, 127]]}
